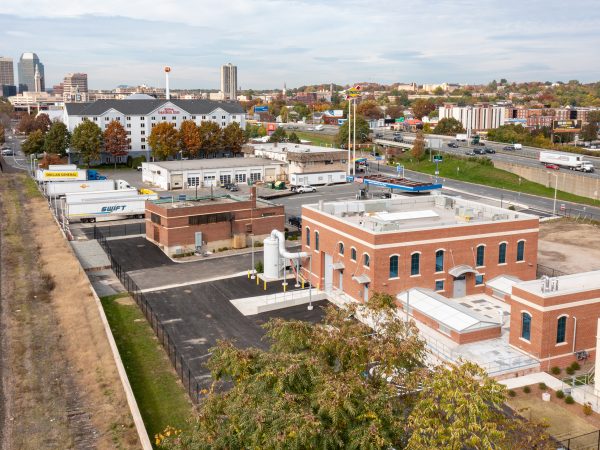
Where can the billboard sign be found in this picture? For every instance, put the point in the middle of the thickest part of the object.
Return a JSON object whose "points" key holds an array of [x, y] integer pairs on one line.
{"points": [[258, 109], [568, 126]]}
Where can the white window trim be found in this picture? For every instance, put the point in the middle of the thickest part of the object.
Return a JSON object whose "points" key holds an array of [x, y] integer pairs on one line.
{"points": [[355, 252], [363, 260], [524, 311], [390, 257], [338, 248], [442, 280]]}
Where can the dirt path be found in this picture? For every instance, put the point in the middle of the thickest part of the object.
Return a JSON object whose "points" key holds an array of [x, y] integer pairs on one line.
{"points": [[60, 389]]}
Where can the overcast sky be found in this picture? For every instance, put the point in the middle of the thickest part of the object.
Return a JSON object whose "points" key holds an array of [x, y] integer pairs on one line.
{"points": [[305, 41]]}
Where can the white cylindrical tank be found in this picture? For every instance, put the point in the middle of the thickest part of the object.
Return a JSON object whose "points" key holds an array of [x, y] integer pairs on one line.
{"points": [[271, 257]]}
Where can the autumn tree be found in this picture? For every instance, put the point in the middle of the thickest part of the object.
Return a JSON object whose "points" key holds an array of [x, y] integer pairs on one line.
{"points": [[115, 140], [362, 132], [42, 122], [422, 107], [394, 111], [211, 137], [594, 116], [418, 148], [87, 141], [164, 140], [589, 132], [34, 143], [233, 138], [2, 134], [369, 109], [57, 139], [26, 124], [448, 127], [189, 138], [279, 135]]}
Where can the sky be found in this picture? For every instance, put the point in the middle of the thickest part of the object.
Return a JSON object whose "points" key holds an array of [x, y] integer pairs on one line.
{"points": [[303, 42]]}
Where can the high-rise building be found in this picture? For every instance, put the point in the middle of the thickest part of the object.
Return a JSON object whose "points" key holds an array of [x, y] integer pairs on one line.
{"points": [[229, 81], [75, 87], [7, 74], [27, 68]]}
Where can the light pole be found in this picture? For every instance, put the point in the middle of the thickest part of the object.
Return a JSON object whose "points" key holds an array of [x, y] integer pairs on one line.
{"points": [[349, 135], [354, 136], [310, 306], [555, 192], [253, 276]]}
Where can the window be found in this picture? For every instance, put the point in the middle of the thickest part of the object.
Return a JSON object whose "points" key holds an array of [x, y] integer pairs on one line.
{"points": [[164, 118], [193, 117], [223, 117], [107, 118], [439, 285], [316, 240], [307, 230], [141, 118], [153, 118], [394, 266], [143, 147], [561, 329], [155, 218], [353, 254], [142, 125], [225, 179], [255, 177], [366, 260], [214, 117], [203, 117], [142, 132], [210, 218], [480, 256], [240, 177], [414, 263], [525, 326], [521, 251], [184, 118], [128, 125], [341, 248], [128, 133], [193, 181], [439, 261], [128, 118], [478, 280], [95, 119], [118, 119], [502, 253], [143, 139], [223, 124], [173, 117]]}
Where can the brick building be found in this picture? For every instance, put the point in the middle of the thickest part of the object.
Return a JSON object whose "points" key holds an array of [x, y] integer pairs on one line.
{"points": [[210, 223]]}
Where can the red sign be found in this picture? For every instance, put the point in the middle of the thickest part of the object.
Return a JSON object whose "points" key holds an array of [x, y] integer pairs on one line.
{"points": [[168, 111]]}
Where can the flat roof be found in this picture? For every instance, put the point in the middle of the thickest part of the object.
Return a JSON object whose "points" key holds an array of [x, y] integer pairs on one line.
{"points": [[215, 163], [565, 284], [503, 283], [288, 147], [446, 312], [401, 213]]}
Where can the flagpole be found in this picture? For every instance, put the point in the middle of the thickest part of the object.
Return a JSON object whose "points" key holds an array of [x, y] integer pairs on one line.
{"points": [[349, 133]]}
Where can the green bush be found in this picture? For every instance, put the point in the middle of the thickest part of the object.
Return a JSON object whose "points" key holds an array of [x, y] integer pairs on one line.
{"points": [[183, 255], [512, 208], [560, 394], [575, 365], [134, 162], [512, 393], [259, 267], [543, 386], [570, 370], [569, 400], [527, 389], [555, 370], [587, 409]]}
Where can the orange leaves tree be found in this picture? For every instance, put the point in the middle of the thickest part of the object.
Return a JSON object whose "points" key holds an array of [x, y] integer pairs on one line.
{"points": [[164, 140], [189, 138], [115, 140]]}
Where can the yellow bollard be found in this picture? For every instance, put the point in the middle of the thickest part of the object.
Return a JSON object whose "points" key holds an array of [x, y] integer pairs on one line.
{"points": [[257, 279], [284, 287], [265, 288], [302, 284], [248, 274]]}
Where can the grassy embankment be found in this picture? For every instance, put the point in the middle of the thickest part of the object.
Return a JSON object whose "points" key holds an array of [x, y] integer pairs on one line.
{"points": [[481, 171], [160, 396], [324, 140]]}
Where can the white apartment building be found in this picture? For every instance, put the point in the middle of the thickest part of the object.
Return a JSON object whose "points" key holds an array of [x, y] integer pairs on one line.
{"points": [[139, 113], [479, 117]]}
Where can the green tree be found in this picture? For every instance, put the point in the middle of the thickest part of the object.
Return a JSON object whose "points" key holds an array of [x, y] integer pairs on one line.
{"points": [[115, 140], [234, 137], [189, 138], [211, 137], [284, 114], [589, 132], [293, 138], [6, 107], [448, 127], [57, 139], [302, 110], [34, 143], [362, 132], [87, 141], [164, 140], [42, 122], [438, 91], [418, 148], [279, 135], [422, 107]]}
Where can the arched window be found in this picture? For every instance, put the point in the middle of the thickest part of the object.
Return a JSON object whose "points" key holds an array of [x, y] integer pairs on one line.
{"points": [[502, 253], [307, 230], [480, 260], [366, 260], [521, 251], [394, 266], [353, 254], [526, 326], [341, 248], [317, 240], [439, 261], [414, 263], [561, 329]]}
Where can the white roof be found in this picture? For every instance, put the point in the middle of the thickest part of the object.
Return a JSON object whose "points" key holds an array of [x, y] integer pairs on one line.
{"points": [[290, 147], [503, 283], [406, 215], [444, 311], [215, 163], [566, 284]]}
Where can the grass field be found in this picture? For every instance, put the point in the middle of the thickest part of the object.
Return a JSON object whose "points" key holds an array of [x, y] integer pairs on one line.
{"points": [[325, 140], [160, 396], [475, 170]]}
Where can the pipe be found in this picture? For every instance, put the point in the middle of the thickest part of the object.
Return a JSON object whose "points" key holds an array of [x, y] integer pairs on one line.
{"points": [[276, 234], [574, 331]]}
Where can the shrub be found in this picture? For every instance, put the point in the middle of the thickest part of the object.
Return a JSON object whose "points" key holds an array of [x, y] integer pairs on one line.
{"points": [[512, 393], [527, 389], [560, 394], [587, 409], [543, 386], [259, 267], [569, 400], [555, 370], [575, 365], [570, 370]]}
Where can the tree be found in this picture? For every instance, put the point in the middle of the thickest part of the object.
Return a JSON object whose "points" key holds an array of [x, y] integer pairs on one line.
{"points": [[57, 139], [34, 143], [302, 110], [189, 138], [279, 135], [115, 140], [42, 122], [284, 114], [395, 111], [26, 124], [293, 138], [448, 127], [164, 140], [589, 132], [422, 107], [234, 137], [438, 91], [594, 117], [211, 137], [362, 132], [2, 134], [418, 148], [87, 141], [369, 109]]}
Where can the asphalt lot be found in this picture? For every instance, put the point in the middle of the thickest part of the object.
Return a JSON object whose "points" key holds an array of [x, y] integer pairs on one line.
{"points": [[138, 253]]}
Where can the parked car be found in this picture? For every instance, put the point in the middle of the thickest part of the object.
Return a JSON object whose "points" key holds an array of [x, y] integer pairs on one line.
{"points": [[552, 166], [489, 150], [305, 188], [470, 153], [509, 148], [382, 195], [453, 145], [295, 221], [397, 138], [479, 151], [8, 152], [234, 188]]}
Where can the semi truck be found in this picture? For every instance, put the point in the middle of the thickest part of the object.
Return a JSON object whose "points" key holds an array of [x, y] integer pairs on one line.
{"points": [[60, 188], [111, 206], [462, 137], [43, 175], [569, 161]]}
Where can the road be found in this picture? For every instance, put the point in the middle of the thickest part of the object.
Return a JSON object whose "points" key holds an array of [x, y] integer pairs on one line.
{"points": [[18, 161]]}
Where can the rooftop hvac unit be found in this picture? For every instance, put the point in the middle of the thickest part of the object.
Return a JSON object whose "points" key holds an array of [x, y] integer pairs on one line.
{"points": [[449, 203]]}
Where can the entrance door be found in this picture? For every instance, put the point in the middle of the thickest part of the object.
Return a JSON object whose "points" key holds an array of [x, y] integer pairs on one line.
{"points": [[341, 284], [366, 293], [460, 286], [177, 181], [198, 240], [328, 272]]}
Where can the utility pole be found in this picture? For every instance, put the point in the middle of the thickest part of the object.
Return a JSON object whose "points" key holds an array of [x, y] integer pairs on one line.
{"points": [[349, 135]]}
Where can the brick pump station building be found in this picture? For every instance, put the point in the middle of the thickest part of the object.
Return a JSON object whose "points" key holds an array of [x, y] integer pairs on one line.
{"points": [[210, 223]]}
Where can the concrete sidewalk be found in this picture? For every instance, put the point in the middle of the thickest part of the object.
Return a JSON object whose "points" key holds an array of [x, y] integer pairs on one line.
{"points": [[533, 378]]}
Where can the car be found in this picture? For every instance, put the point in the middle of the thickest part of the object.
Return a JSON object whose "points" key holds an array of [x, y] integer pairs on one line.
{"points": [[295, 221], [397, 133], [552, 166], [378, 135], [490, 151], [470, 153], [397, 138], [234, 188], [8, 152], [453, 145], [509, 148], [479, 151], [480, 144], [305, 188]]}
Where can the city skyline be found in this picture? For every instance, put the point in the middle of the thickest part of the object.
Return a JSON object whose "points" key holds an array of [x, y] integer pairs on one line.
{"points": [[305, 42]]}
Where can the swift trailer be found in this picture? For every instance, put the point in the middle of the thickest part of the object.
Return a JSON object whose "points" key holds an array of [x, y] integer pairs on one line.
{"points": [[60, 188], [567, 161], [43, 175], [109, 208]]}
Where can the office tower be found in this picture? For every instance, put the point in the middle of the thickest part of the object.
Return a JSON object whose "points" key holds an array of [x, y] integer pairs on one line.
{"points": [[27, 68], [7, 75], [229, 81], [75, 87]]}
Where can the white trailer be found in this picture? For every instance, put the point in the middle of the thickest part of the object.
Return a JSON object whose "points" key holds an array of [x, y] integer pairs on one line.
{"points": [[60, 188], [109, 208], [62, 167], [462, 137], [61, 175], [567, 160], [81, 197], [317, 178]]}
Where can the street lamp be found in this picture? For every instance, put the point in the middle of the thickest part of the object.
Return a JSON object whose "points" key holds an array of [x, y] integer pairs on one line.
{"points": [[555, 192], [310, 306]]}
